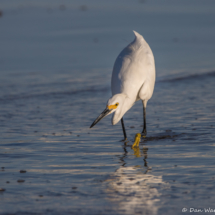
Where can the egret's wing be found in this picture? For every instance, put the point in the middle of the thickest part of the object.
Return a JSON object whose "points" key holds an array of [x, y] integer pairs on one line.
{"points": [[132, 68]]}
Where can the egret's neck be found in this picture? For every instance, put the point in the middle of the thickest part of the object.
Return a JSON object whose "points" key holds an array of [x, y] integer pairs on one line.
{"points": [[126, 104]]}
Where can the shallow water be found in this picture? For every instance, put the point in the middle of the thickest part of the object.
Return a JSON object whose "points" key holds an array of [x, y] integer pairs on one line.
{"points": [[55, 80]]}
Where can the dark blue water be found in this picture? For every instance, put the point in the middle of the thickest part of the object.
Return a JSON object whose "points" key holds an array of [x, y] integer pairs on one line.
{"points": [[55, 66]]}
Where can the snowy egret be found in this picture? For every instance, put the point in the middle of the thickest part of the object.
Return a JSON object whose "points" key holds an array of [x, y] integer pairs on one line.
{"points": [[133, 78]]}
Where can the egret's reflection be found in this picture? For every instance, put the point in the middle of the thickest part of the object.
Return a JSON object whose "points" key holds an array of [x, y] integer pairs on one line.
{"points": [[134, 188]]}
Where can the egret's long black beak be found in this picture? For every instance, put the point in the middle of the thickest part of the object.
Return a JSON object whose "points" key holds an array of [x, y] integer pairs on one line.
{"points": [[101, 116]]}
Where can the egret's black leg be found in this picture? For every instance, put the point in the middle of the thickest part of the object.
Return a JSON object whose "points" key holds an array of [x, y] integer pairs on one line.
{"points": [[144, 132], [123, 128]]}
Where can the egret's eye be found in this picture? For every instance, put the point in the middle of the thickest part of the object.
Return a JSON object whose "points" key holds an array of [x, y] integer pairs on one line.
{"points": [[113, 106]]}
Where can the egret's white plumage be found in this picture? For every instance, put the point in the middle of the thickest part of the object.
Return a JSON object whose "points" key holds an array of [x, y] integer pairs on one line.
{"points": [[133, 78]]}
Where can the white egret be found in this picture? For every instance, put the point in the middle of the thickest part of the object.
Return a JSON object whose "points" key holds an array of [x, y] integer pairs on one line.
{"points": [[133, 78]]}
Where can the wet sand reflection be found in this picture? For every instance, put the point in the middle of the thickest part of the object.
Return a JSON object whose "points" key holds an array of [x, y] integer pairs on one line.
{"points": [[133, 188]]}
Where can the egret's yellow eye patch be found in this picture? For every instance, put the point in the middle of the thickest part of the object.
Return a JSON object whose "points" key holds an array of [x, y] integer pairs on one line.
{"points": [[113, 106]]}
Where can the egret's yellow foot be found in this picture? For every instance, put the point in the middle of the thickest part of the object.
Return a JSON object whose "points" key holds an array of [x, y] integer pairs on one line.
{"points": [[137, 152], [137, 140]]}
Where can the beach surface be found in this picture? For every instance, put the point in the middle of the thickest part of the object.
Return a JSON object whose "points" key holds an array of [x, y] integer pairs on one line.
{"points": [[56, 62]]}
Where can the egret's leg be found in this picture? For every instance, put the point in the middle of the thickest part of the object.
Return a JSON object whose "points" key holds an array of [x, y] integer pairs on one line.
{"points": [[144, 132], [123, 128]]}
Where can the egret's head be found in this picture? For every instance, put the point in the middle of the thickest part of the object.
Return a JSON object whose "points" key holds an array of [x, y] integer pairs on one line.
{"points": [[114, 104]]}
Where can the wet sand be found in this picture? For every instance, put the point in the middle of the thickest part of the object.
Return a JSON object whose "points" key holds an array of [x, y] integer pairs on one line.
{"points": [[55, 81]]}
